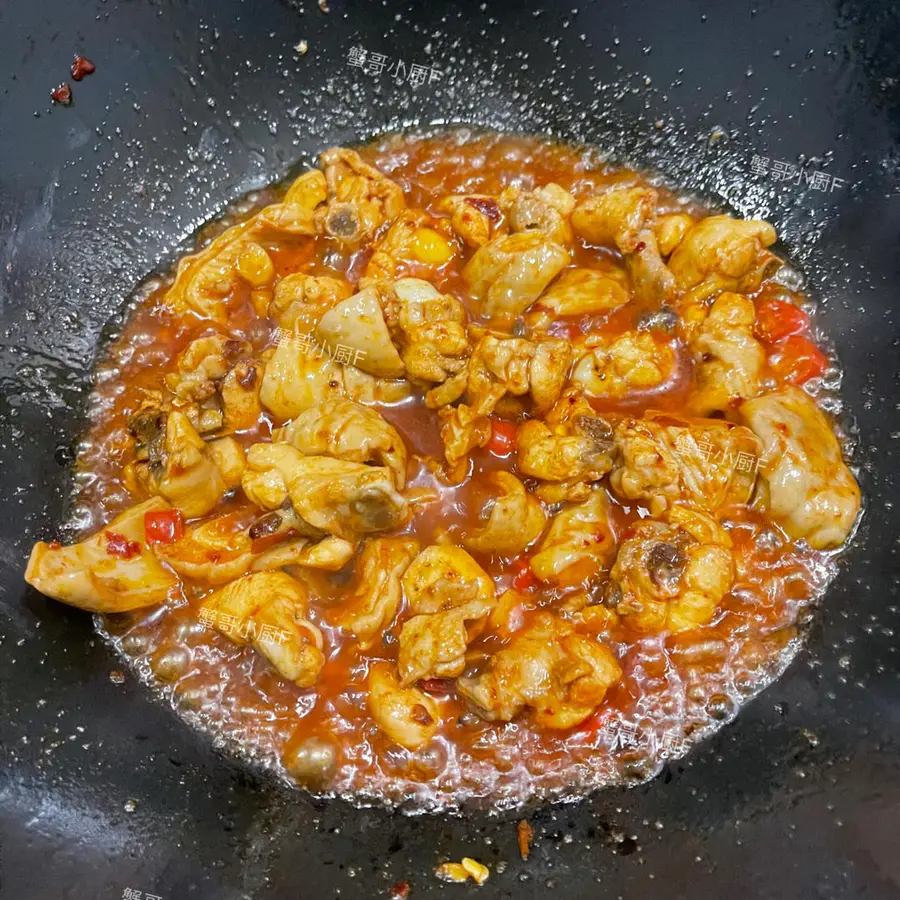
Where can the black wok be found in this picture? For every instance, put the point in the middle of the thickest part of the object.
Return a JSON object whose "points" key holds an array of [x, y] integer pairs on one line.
{"points": [[102, 789]]}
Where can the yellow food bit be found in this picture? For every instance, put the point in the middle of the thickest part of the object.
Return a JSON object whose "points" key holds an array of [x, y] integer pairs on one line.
{"points": [[475, 869], [431, 248], [254, 265], [452, 872], [260, 298], [598, 617], [462, 871]]}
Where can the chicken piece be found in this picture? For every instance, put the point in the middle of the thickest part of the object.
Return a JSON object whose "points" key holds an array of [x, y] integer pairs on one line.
{"points": [[206, 281], [113, 571], [570, 449], [377, 591], [448, 392], [332, 496], [300, 300], [614, 366], [434, 645], [358, 323], [651, 281], [343, 429], [562, 676], [428, 327], [298, 552], [365, 388], [360, 199], [239, 395], [413, 240], [498, 366], [809, 490], [723, 254], [215, 551], [509, 273], [664, 457], [586, 610], [202, 365], [544, 210], [578, 545], [510, 519], [730, 358], [191, 474], [443, 577], [219, 550], [462, 430], [670, 231], [283, 538], [580, 292], [295, 214], [506, 617], [218, 374], [330, 554], [507, 365], [616, 217], [269, 610], [476, 218], [671, 575], [299, 376], [407, 715]]}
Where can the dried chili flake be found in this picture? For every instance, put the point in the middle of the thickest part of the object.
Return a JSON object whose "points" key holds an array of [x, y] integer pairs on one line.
{"points": [[82, 66], [420, 715], [524, 834], [435, 685], [119, 545], [485, 205], [400, 891], [62, 94], [246, 376]]}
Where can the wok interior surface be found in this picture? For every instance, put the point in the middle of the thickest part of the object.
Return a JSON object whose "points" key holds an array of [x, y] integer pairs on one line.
{"points": [[190, 108], [502, 708]]}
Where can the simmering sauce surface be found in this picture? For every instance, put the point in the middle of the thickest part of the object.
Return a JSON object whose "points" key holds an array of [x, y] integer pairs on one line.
{"points": [[676, 685]]}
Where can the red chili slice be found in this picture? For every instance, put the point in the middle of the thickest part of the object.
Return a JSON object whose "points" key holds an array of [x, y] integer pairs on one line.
{"points": [[776, 320], [163, 526], [524, 579], [799, 360], [503, 437]]}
